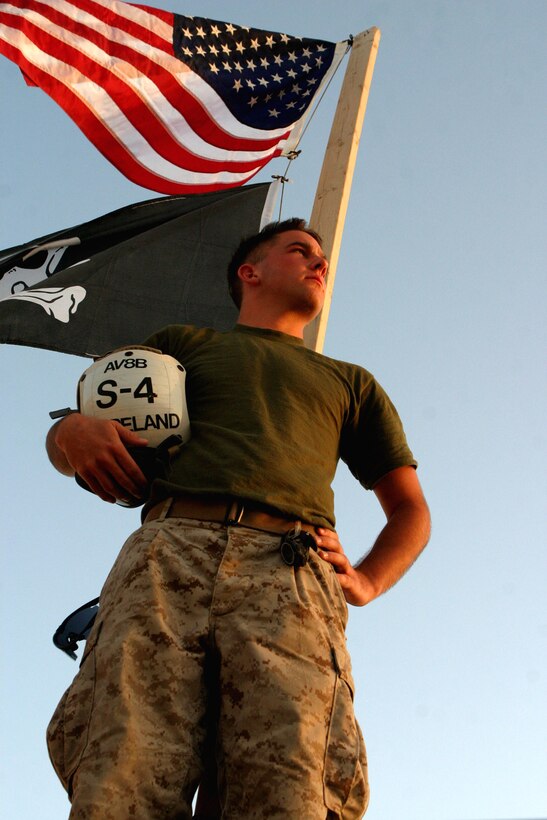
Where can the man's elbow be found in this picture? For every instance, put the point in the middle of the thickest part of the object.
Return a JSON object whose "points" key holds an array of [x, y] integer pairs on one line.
{"points": [[55, 454], [415, 512], [425, 519]]}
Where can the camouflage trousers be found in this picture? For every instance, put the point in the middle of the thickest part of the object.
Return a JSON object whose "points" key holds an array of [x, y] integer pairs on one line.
{"points": [[204, 626]]}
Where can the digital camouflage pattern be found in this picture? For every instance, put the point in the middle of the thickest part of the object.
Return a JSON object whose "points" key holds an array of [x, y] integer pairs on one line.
{"points": [[203, 626]]}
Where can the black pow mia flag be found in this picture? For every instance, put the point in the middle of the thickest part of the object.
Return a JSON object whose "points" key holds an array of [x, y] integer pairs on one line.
{"points": [[113, 281]]}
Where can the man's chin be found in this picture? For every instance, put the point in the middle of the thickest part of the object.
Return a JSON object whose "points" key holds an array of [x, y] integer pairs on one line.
{"points": [[315, 306]]}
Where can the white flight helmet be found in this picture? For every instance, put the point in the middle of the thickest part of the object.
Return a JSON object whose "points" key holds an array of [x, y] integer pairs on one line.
{"points": [[139, 387]]}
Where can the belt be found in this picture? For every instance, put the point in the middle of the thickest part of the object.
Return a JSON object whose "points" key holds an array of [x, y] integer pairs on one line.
{"points": [[228, 511]]}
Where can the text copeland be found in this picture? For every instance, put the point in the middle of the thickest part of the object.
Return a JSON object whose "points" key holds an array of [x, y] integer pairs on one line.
{"points": [[160, 421]]}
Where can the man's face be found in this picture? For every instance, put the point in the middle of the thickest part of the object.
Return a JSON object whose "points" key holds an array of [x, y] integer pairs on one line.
{"points": [[292, 272]]}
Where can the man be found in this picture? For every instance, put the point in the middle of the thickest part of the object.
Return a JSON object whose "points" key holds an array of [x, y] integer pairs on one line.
{"points": [[228, 607]]}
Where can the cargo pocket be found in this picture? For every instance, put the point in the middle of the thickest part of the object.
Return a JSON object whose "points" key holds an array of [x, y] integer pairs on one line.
{"points": [[332, 599], [345, 770], [67, 733]]}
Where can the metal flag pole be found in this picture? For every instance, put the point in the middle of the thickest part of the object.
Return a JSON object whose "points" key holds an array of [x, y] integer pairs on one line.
{"points": [[334, 186]]}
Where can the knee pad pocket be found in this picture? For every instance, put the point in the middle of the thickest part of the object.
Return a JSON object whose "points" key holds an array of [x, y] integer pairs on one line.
{"points": [[68, 730]]}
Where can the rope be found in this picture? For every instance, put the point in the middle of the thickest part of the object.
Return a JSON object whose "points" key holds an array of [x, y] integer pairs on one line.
{"points": [[331, 78], [294, 154]]}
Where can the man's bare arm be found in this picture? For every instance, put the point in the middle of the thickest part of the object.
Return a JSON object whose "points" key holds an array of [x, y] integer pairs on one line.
{"points": [[96, 449], [398, 545]]}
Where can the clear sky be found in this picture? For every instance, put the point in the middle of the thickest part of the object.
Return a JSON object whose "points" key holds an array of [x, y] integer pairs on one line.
{"points": [[440, 293]]}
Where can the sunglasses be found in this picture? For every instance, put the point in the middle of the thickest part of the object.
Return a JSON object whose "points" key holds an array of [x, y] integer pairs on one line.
{"points": [[76, 627]]}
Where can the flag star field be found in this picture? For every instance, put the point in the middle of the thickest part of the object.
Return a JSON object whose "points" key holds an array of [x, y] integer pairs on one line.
{"points": [[265, 78]]}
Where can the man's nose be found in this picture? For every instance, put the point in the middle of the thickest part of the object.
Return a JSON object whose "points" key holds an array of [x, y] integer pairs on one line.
{"points": [[320, 265]]}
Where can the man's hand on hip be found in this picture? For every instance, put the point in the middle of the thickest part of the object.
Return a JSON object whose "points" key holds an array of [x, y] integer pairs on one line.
{"points": [[355, 585]]}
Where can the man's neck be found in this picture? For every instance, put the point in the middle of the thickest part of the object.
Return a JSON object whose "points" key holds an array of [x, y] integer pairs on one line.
{"points": [[289, 328], [288, 323]]}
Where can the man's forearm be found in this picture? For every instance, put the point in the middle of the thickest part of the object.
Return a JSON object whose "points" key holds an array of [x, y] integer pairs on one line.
{"points": [[400, 542], [397, 547]]}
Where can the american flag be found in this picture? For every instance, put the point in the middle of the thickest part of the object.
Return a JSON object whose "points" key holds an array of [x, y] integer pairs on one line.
{"points": [[177, 104]]}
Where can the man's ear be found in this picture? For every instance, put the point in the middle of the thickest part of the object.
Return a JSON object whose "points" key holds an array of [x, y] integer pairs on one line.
{"points": [[248, 274]]}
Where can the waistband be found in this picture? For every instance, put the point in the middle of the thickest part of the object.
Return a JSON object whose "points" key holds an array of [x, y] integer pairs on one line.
{"points": [[228, 511]]}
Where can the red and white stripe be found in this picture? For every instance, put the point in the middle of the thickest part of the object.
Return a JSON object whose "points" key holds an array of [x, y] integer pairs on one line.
{"points": [[110, 66]]}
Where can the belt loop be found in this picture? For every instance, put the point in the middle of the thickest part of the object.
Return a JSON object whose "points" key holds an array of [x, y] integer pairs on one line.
{"points": [[165, 509], [234, 513]]}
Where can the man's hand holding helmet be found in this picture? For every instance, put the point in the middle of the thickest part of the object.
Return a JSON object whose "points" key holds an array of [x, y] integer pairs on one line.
{"points": [[96, 450]]}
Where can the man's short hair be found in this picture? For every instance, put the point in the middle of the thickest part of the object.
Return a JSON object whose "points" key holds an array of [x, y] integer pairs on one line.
{"points": [[252, 250]]}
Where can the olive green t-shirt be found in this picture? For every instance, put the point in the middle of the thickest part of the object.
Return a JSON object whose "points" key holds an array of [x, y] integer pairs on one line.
{"points": [[270, 419]]}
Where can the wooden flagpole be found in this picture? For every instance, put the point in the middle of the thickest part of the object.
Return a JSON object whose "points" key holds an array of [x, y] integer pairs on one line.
{"points": [[334, 186]]}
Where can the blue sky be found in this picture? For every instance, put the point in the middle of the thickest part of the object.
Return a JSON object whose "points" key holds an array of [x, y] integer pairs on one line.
{"points": [[439, 292]]}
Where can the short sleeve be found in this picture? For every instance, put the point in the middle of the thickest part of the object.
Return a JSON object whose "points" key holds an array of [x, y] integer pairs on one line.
{"points": [[373, 440]]}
